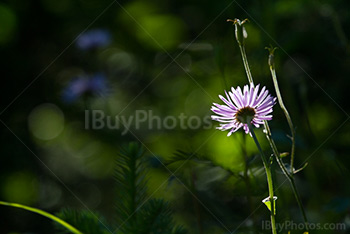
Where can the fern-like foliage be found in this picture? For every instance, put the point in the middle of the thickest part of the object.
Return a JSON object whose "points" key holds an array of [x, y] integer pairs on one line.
{"points": [[182, 156], [131, 186], [138, 214], [86, 221], [194, 160], [155, 217]]}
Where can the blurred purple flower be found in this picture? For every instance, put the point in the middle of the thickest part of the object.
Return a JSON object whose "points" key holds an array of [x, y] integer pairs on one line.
{"points": [[242, 108], [84, 85], [94, 38]]}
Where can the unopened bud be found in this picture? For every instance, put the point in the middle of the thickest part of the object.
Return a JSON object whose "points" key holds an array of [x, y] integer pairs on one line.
{"points": [[271, 60], [240, 31]]}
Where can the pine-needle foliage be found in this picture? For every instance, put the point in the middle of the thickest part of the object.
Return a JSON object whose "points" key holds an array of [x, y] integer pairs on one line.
{"points": [[155, 217], [138, 214], [184, 157], [193, 160], [86, 221], [131, 186]]}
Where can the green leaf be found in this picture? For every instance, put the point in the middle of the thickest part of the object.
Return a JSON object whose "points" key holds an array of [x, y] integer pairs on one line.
{"points": [[267, 202], [45, 214], [284, 154]]}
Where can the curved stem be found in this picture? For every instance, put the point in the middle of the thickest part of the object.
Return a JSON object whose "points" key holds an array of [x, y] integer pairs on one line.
{"points": [[275, 151], [269, 179], [289, 176], [45, 214], [286, 113]]}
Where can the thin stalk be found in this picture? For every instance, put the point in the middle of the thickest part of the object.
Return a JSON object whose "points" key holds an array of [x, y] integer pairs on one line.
{"points": [[285, 171], [269, 179], [286, 113], [289, 176], [45, 214], [275, 151], [245, 62]]}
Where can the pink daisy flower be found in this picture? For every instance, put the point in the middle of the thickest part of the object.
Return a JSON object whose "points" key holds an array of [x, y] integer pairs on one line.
{"points": [[243, 107]]}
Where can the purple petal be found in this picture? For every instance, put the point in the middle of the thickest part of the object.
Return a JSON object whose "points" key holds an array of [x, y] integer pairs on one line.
{"points": [[239, 93], [236, 99], [227, 102], [255, 93], [245, 100], [267, 117], [261, 96]]}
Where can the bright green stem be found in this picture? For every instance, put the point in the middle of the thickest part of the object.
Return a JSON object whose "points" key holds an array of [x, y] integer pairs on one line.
{"points": [[45, 214], [271, 141], [289, 176], [269, 179], [289, 120]]}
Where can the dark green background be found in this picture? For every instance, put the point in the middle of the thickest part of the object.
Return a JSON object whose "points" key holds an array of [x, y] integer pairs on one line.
{"points": [[39, 57]]}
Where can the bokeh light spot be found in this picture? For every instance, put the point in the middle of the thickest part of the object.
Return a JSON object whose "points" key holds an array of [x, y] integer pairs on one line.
{"points": [[46, 121], [20, 187]]}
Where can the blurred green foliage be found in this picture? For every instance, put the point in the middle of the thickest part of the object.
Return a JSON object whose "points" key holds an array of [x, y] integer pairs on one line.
{"points": [[50, 160], [7, 24]]}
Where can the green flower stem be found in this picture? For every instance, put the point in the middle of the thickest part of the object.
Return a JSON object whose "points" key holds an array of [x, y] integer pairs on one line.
{"points": [[283, 107], [289, 175], [269, 179], [245, 62], [268, 134], [45, 214]]}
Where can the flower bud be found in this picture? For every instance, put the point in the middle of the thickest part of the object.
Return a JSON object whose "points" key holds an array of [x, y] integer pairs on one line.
{"points": [[240, 32], [271, 60]]}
